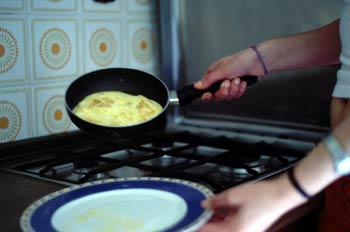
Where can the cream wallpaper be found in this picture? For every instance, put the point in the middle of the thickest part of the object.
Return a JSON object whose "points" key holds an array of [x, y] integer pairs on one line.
{"points": [[46, 44]]}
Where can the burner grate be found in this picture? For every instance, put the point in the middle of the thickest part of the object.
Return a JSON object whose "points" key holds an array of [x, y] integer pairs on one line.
{"points": [[216, 161]]}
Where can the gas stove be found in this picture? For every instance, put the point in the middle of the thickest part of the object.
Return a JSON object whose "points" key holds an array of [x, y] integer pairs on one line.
{"points": [[216, 160]]}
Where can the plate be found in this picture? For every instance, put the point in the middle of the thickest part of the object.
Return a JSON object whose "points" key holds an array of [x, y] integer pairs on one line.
{"points": [[125, 204]]}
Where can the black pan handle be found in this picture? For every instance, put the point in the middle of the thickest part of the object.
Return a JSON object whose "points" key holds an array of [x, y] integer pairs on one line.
{"points": [[189, 93]]}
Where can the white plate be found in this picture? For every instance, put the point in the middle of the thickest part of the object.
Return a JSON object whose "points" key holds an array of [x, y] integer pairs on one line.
{"points": [[126, 204]]}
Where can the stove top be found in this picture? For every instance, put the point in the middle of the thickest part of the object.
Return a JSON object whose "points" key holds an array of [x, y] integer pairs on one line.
{"points": [[218, 162]]}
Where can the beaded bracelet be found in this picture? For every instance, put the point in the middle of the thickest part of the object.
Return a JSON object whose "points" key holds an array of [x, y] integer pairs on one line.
{"points": [[263, 65], [296, 184], [340, 157]]}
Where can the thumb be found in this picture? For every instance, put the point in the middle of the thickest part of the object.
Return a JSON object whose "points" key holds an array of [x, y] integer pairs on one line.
{"points": [[218, 202], [209, 78]]}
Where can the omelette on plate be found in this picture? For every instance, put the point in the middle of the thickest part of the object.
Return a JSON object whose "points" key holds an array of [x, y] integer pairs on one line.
{"points": [[115, 108]]}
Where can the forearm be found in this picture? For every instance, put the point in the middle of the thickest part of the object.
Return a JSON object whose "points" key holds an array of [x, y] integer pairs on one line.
{"points": [[313, 48], [315, 171]]}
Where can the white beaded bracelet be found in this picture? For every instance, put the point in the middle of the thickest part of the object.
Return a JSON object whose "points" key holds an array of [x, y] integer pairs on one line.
{"points": [[341, 158]]}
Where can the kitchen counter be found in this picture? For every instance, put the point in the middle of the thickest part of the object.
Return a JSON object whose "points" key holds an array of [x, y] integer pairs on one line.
{"points": [[19, 191]]}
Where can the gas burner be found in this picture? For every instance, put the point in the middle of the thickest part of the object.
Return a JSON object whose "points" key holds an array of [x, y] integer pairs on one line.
{"points": [[241, 165], [238, 171], [84, 165], [163, 143], [127, 171], [60, 170], [82, 177], [220, 162], [82, 171], [252, 161], [167, 161]]}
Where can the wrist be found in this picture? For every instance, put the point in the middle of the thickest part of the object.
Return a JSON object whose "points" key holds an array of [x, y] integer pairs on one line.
{"points": [[285, 194], [340, 156], [246, 63], [259, 60]]}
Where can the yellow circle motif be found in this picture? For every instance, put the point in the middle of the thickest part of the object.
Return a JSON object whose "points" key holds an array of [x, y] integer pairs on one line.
{"points": [[143, 45], [8, 50], [55, 118], [103, 47], [10, 121], [55, 48], [2, 50]]}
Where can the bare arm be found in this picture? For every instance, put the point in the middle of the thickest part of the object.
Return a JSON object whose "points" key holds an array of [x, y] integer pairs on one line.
{"points": [[253, 207], [320, 156], [313, 48]]}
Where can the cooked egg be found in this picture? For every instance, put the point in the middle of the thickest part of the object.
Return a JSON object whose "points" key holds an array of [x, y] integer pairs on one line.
{"points": [[117, 109]]}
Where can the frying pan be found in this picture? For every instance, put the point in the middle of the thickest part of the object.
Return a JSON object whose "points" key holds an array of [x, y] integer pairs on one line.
{"points": [[133, 82]]}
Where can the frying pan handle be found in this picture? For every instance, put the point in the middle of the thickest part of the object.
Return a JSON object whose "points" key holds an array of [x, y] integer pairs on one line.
{"points": [[189, 93]]}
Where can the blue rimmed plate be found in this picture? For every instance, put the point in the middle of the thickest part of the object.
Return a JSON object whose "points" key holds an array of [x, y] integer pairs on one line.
{"points": [[124, 204]]}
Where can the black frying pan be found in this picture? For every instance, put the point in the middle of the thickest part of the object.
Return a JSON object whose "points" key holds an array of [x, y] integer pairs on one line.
{"points": [[133, 82]]}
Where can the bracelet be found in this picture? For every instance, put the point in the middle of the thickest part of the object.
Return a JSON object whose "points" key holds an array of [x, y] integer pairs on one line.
{"points": [[295, 184], [341, 158], [262, 63]]}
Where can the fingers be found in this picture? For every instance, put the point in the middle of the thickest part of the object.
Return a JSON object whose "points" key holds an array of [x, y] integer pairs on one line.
{"points": [[240, 91], [213, 74], [220, 201], [207, 97], [224, 213], [224, 91], [216, 226], [209, 78], [237, 89], [219, 215], [229, 89]]}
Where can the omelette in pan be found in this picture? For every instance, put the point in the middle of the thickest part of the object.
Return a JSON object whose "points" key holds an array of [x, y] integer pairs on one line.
{"points": [[117, 109]]}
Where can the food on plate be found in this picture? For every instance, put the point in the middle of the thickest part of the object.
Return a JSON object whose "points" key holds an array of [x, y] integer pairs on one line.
{"points": [[116, 108]]}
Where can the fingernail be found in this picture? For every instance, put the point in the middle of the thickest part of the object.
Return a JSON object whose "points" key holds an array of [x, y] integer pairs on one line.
{"points": [[198, 83], [206, 98], [226, 84]]}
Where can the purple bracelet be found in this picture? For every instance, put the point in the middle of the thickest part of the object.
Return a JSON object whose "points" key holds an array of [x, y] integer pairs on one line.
{"points": [[260, 59], [296, 185]]}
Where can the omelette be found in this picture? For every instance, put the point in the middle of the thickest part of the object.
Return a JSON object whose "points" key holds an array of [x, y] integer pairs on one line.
{"points": [[117, 109]]}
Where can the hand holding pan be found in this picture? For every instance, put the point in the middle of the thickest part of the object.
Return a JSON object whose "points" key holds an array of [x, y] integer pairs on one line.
{"points": [[188, 94], [133, 82]]}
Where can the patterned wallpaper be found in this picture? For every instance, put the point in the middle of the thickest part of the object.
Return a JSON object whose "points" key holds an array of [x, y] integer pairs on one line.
{"points": [[46, 44]]}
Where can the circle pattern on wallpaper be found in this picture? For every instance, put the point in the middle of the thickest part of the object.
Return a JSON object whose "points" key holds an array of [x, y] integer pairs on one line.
{"points": [[143, 45], [55, 48], [55, 118], [103, 47], [8, 50], [10, 121]]}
